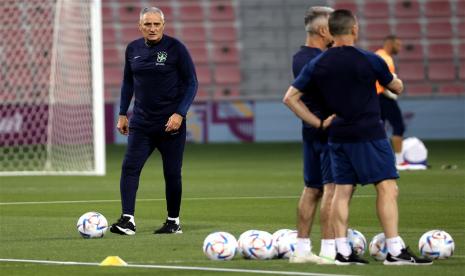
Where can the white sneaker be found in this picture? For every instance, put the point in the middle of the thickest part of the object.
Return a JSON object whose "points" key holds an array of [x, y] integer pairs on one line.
{"points": [[308, 258], [327, 260]]}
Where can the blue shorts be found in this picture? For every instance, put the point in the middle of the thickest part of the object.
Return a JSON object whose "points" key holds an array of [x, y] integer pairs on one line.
{"points": [[363, 162], [317, 162]]}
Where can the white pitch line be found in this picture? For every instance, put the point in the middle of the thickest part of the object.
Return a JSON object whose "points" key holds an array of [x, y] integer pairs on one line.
{"points": [[151, 199], [198, 268]]}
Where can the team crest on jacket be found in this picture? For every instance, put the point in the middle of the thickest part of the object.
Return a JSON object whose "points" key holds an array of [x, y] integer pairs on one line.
{"points": [[161, 57]]}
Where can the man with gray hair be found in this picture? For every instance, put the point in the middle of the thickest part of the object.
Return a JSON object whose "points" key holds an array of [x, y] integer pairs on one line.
{"points": [[318, 179], [160, 74]]}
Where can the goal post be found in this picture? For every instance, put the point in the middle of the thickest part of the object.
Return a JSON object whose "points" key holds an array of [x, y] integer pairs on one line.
{"points": [[51, 97]]}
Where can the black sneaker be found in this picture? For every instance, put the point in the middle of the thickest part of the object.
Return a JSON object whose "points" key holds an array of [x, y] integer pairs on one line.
{"points": [[169, 227], [123, 226], [406, 257], [351, 259]]}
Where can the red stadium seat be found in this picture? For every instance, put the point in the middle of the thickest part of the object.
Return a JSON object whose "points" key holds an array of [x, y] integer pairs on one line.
{"points": [[409, 29], [14, 16], [225, 53], [203, 75], [348, 5], [129, 13], [411, 71], [439, 29], [460, 8], [452, 88], [131, 32], [109, 35], [191, 11], [376, 9], [437, 8], [223, 33], [107, 14], [193, 33], [113, 75], [411, 50], [441, 71], [461, 28], [199, 54], [112, 56], [221, 11], [227, 91], [462, 50], [227, 74], [418, 89], [377, 30], [462, 70], [407, 8], [440, 51]]}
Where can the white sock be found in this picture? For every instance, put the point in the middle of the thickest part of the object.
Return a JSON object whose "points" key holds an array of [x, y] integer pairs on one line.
{"points": [[343, 247], [328, 248], [394, 245], [399, 158], [176, 220], [303, 246], [131, 218]]}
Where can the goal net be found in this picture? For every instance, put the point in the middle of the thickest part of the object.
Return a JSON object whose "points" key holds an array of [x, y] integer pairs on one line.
{"points": [[51, 92]]}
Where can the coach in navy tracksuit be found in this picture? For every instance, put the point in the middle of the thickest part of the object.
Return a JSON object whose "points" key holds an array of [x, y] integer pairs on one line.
{"points": [[159, 72]]}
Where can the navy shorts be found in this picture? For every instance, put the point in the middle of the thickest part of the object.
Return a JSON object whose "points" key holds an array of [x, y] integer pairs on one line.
{"points": [[317, 162], [362, 162], [390, 112]]}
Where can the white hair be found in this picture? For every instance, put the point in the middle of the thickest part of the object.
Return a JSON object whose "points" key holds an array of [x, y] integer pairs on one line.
{"points": [[151, 10], [316, 16]]}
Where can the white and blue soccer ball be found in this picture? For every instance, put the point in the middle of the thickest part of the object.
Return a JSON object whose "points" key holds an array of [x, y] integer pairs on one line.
{"points": [[436, 244], [286, 244], [378, 247], [220, 246], [92, 225], [242, 238], [357, 241], [258, 245]]}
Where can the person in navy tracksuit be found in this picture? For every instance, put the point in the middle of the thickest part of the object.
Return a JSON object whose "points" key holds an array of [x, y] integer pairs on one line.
{"points": [[160, 74]]}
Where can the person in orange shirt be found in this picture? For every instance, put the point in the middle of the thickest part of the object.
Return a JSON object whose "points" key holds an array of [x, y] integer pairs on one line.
{"points": [[390, 110]]}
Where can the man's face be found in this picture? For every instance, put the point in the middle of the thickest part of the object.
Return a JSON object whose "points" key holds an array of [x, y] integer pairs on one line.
{"points": [[152, 26], [396, 46]]}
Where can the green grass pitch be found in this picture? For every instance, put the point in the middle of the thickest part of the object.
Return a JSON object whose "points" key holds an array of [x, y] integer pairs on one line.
{"points": [[218, 178]]}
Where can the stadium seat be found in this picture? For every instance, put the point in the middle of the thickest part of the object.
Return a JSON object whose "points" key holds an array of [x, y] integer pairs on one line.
{"points": [[418, 89], [14, 16], [441, 71], [109, 35], [411, 71], [407, 8], [225, 53], [107, 14], [193, 33], [437, 8], [377, 30], [462, 50], [199, 54], [461, 28], [227, 74], [129, 13], [408, 29], [439, 29], [411, 50], [223, 33], [348, 5], [191, 11], [440, 51], [131, 32], [113, 75], [462, 70], [460, 8], [376, 9], [203, 75], [226, 91], [221, 11], [452, 88], [112, 56]]}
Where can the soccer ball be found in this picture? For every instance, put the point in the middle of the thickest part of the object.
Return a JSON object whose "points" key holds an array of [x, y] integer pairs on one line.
{"points": [[414, 151], [378, 248], [436, 244], [92, 225], [286, 244], [258, 245], [220, 246], [277, 236], [357, 241], [242, 238]]}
